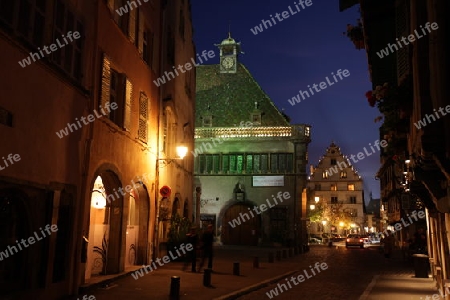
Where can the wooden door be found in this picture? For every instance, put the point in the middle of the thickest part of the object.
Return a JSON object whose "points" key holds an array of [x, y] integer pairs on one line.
{"points": [[244, 228]]}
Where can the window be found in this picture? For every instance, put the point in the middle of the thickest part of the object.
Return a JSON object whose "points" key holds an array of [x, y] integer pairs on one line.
{"points": [[69, 57], [6, 117], [29, 21], [115, 95], [143, 117], [147, 47], [232, 163], [278, 222], [333, 161], [209, 163], [343, 174], [281, 163], [334, 200], [350, 187], [325, 175], [333, 187], [121, 19], [256, 163], [116, 88], [256, 119], [317, 187], [352, 200], [207, 121]]}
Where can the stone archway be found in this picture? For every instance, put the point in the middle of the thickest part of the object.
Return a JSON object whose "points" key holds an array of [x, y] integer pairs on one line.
{"points": [[107, 229], [137, 246], [240, 226]]}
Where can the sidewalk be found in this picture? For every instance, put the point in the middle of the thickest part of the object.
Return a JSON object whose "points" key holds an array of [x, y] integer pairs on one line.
{"points": [[398, 282], [225, 285], [395, 279]]}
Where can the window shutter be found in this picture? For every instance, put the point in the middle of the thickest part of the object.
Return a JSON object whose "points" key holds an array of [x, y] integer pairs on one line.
{"points": [[106, 80], [143, 117], [127, 110], [132, 25], [141, 32]]}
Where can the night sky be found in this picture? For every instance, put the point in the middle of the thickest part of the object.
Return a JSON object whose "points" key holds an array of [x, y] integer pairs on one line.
{"points": [[294, 53]]}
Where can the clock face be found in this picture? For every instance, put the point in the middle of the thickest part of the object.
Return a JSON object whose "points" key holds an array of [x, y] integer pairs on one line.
{"points": [[228, 62]]}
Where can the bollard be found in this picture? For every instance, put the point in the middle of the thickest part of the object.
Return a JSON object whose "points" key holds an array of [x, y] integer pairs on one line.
{"points": [[236, 268], [207, 277], [175, 288], [271, 259], [256, 262], [291, 252], [284, 253], [278, 255]]}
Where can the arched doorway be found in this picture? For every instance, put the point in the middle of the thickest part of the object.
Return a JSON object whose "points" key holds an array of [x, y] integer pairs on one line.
{"points": [[137, 246], [176, 207], [240, 232], [106, 234], [186, 209]]}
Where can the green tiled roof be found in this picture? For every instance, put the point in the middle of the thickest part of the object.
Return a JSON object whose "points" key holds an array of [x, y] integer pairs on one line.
{"points": [[231, 98]]}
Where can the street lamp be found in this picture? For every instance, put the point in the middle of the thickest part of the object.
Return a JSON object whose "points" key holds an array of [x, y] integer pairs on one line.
{"points": [[98, 199], [181, 152], [316, 199]]}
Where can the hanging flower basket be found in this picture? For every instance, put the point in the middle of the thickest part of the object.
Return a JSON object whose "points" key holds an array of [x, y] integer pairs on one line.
{"points": [[356, 35]]}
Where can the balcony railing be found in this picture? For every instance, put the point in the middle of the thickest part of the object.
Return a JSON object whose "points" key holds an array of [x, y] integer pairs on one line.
{"points": [[295, 132]]}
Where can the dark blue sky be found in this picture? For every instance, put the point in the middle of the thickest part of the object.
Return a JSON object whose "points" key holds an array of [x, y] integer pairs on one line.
{"points": [[300, 51]]}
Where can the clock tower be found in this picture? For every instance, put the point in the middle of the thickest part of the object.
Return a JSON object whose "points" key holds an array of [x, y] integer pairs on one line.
{"points": [[229, 50]]}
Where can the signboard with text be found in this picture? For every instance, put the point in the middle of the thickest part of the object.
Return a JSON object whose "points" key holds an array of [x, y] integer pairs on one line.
{"points": [[268, 180]]}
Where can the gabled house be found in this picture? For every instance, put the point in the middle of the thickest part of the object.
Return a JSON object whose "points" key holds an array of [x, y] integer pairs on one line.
{"points": [[335, 195], [247, 155]]}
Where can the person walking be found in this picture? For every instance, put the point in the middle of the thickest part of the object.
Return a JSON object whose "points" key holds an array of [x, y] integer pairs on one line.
{"points": [[207, 247], [192, 238], [388, 242]]}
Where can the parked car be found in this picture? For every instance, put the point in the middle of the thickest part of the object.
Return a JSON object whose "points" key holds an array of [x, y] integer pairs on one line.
{"points": [[315, 239], [354, 240]]}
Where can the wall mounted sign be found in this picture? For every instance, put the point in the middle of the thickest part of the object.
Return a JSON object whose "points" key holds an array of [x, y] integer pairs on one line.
{"points": [[165, 191], [268, 180]]}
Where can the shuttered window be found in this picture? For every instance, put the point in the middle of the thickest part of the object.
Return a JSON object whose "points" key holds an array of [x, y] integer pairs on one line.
{"points": [[127, 108], [116, 88], [143, 117]]}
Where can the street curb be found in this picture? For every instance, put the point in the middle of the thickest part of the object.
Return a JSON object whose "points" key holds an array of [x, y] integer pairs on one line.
{"points": [[252, 288], [105, 283]]}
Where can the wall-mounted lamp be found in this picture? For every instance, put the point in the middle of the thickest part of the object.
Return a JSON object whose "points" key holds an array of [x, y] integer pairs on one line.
{"points": [[98, 199], [181, 152], [312, 207], [316, 199]]}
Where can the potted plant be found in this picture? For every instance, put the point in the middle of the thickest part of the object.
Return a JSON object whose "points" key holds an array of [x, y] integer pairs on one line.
{"points": [[179, 227]]}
